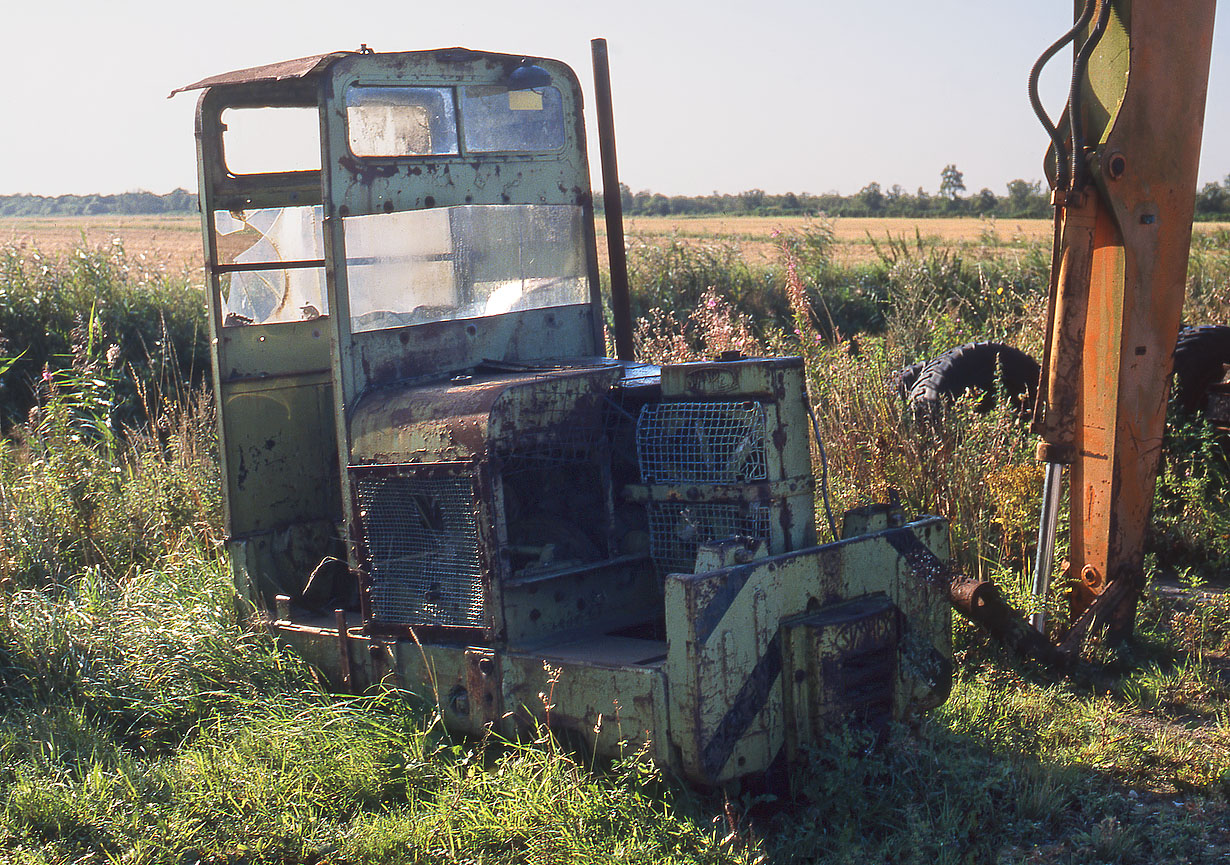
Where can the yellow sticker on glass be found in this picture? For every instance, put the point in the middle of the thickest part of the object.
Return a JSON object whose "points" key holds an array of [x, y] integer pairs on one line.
{"points": [[524, 100]]}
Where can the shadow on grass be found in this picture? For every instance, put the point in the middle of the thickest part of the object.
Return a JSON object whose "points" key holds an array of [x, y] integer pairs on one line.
{"points": [[1018, 767]]}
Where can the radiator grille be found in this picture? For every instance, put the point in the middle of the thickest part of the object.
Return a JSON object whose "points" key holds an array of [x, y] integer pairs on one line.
{"points": [[701, 442], [676, 530], [422, 545]]}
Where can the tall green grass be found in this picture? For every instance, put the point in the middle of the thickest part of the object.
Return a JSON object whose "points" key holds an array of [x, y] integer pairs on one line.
{"points": [[96, 300]]}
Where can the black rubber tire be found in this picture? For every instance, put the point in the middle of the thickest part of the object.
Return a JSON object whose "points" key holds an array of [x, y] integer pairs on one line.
{"points": [[902, 380], [974, 367], [1200, 355]]}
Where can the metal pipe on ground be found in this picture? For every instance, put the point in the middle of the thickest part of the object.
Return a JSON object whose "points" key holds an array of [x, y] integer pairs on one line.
{"points": [[980, 602]]}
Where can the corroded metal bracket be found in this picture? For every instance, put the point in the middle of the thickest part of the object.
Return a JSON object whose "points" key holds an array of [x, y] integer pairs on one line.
{"points": [[789, 645]]}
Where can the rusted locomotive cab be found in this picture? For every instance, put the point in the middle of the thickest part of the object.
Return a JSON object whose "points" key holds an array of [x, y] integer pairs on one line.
{"points": [[435, 480]]}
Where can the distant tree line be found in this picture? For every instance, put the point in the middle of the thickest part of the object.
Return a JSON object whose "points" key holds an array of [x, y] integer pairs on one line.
{"points": [[126, 203], [1023, 200]]}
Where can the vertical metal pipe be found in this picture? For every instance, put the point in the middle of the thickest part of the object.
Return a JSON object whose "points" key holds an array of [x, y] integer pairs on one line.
{"points": [[1056, 418], [343, 648], [611, 203], [1045, 560]]}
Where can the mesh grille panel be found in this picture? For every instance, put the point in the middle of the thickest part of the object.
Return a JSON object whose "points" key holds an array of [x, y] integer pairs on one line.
{"points": [[677, 530], [701, 442], [422, 542]]}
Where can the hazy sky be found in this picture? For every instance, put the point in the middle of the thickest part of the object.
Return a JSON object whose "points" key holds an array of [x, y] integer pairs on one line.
{"points": [[776, 94]]}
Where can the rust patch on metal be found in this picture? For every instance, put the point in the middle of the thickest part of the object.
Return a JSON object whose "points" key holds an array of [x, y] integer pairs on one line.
{"points": [[713, 380], [483, 685], [366, 172], [287, 69], [477, 417], [981, 603], [343, 648]]}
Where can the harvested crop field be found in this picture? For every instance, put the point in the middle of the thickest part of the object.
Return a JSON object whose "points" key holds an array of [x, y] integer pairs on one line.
{"points": [[172, 241], [855, 238], [175, 240]]}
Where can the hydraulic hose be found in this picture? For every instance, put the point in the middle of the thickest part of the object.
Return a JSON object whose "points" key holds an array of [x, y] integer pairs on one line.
{"points": [[1061, 164]]}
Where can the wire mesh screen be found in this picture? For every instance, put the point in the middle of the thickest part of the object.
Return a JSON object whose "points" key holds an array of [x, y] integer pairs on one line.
{"points": [[676, 530], [701, 442], [422, 544]]}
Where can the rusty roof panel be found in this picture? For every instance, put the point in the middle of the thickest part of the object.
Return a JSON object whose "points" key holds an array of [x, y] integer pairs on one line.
{"points": [[299, 68]]}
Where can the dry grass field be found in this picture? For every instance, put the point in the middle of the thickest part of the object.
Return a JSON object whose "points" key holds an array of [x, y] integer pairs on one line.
{"points": [[174, 241], [757, 236], [170, 241]]}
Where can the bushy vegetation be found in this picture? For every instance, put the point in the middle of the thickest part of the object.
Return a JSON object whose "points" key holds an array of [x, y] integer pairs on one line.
{"points": [[126, 203], [102, 310], [142, 720]]}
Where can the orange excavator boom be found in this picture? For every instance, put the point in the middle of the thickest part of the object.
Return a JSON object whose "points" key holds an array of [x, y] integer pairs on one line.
{"points": [[1123, 171]]}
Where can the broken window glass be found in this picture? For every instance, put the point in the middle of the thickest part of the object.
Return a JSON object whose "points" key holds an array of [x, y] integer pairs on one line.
{"points": [[271, 235], [460, 262]]}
